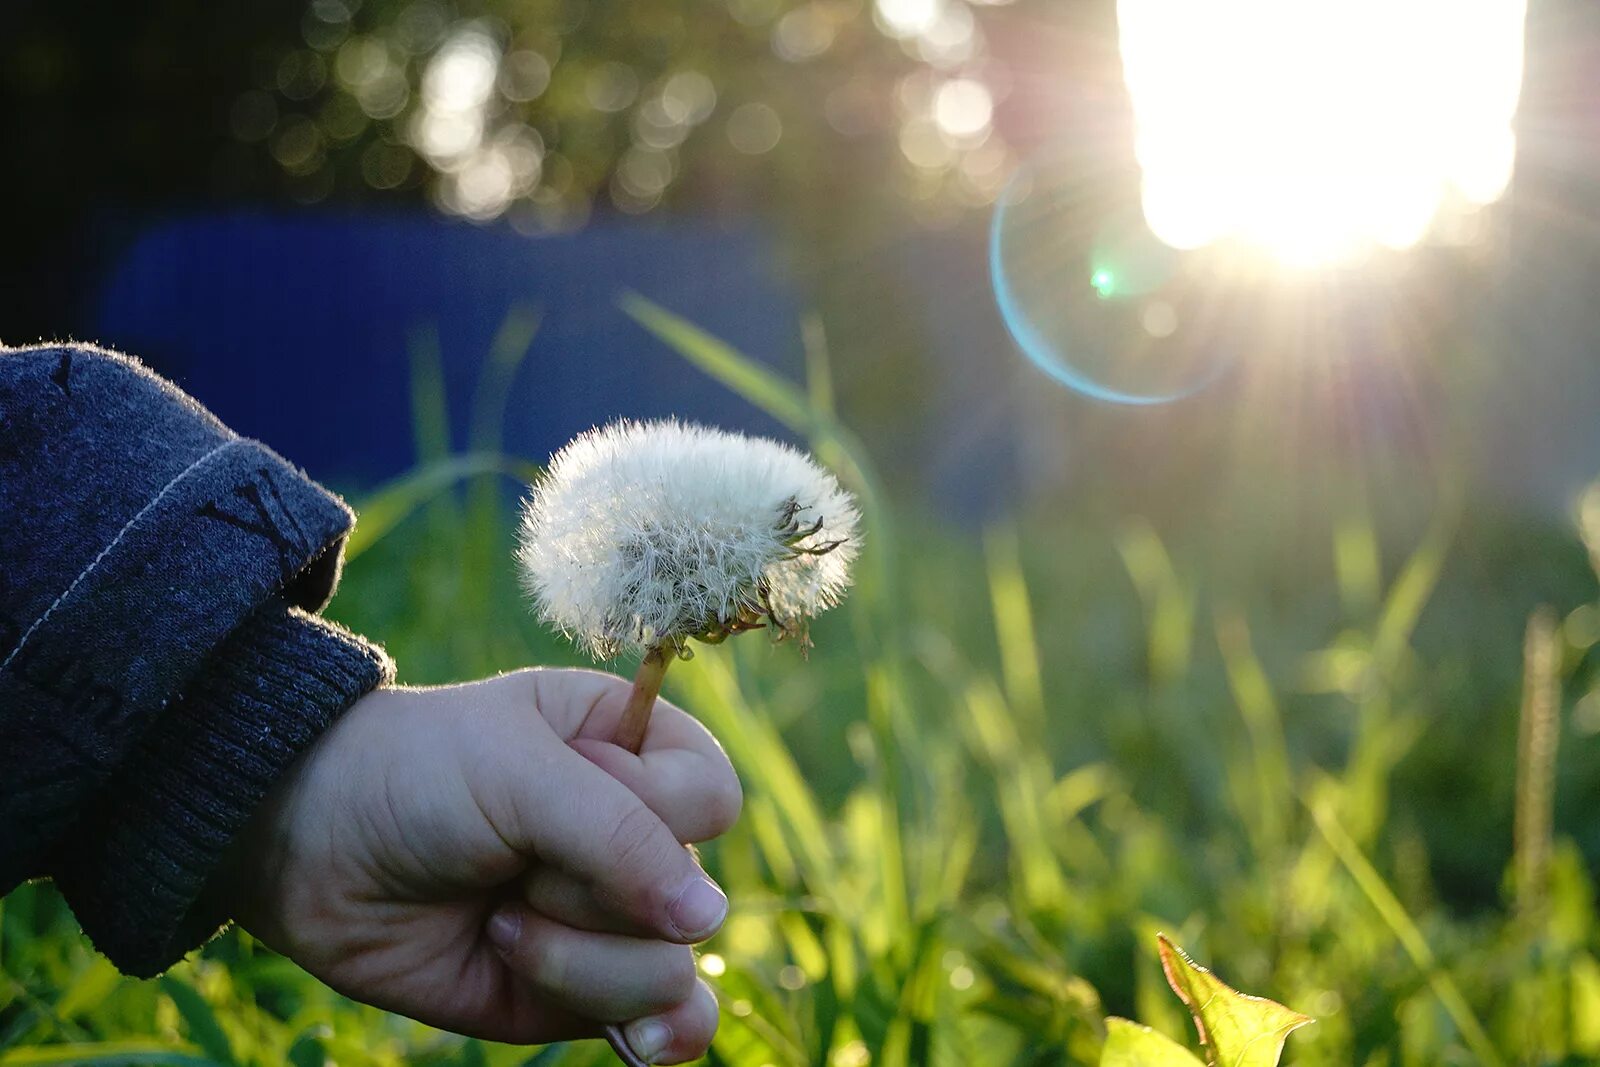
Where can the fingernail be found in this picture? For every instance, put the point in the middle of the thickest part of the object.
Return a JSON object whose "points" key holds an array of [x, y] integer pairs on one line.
{"points": [[504, 926], [648, 1038], [699, 910]]}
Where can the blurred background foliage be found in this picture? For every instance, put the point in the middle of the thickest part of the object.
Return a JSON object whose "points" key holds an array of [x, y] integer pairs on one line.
{"points": [[542, 111], [1005, 768], [1299, 670]]}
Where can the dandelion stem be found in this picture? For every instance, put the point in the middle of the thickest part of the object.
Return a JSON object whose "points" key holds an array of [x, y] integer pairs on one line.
{"points": [[619, 1045], [642, 698]]}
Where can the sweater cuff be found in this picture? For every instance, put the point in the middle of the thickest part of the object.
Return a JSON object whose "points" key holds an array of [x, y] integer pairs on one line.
{"points": [[135, 871]]}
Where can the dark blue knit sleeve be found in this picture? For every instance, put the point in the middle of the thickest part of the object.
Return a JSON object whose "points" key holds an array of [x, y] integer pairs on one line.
{"points": [[159, 665]]}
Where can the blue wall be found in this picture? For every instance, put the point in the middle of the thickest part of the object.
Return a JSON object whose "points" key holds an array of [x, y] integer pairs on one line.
{"points": [[297, 329]]}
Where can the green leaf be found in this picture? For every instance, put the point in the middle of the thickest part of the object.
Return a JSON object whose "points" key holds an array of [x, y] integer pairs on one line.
{"points": [[204, 1030], [1236, 1030], [1130, 1045]]}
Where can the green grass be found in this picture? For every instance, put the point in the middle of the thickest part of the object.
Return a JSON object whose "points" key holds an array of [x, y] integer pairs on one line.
{"points": [[1010, 761]]}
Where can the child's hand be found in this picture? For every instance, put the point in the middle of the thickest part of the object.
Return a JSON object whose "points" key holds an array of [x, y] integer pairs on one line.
{"points": [[385, 862]]}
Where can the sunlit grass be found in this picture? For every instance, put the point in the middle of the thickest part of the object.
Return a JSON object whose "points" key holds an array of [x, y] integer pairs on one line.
{"points": [[1013, 760]]}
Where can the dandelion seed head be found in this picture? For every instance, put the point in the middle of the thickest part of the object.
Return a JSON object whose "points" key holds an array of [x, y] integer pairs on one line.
{"points": [[643, 533]]}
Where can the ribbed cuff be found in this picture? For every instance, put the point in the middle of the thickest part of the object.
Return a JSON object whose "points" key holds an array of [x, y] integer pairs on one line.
{"points": [[135, 870]]}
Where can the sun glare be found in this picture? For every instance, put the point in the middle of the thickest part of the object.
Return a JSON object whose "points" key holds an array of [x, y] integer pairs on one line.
{"points": [[1316, 129]]}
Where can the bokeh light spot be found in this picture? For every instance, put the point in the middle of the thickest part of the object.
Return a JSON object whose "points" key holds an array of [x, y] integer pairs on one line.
{"points": [[754, 129], [462, 74], [689, 97], [611, 87], [963, 108], [908, 18], [524, 76]]}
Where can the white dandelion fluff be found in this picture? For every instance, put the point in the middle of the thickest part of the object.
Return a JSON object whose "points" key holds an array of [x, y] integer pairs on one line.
{"points": [[643, 535]]}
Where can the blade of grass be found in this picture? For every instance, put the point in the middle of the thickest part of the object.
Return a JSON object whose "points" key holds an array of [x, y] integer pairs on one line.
{"points": [[383, 510], [1405, 930], [753, 744], [1013, 623], [203, 1028], [430, 420], [1252, 694], [1355, 560], [1168, 603], [1413, 588], [105, 1054], [507, 352], [883, 707], [430, 431], [483, 556], [744, 376], [819, 371], [1023, 784], [1537, 736]]}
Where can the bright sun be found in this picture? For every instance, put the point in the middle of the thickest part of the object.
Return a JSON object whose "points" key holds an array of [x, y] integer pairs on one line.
{"points": [[1314, 129]]}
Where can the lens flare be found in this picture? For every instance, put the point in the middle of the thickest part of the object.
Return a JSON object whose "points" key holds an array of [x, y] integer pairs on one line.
{"points": [[1103, 308]]}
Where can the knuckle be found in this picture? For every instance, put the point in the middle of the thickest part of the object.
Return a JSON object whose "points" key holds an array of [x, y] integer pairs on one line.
{"points": [[724, 803], [678, 976], [521, 687], [635, 847]]}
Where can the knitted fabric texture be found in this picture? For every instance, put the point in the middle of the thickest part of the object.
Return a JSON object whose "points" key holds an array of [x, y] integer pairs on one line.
{"points": [[140, 534], [197, 775]]}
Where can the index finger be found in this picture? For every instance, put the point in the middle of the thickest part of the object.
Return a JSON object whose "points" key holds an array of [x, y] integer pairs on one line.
{"points": [[583, 821], [579, 703], [681, 772]]}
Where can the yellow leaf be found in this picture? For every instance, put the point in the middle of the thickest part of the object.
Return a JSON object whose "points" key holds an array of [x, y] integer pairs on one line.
{"points": [[1131, 1045], [1237, 1030]]}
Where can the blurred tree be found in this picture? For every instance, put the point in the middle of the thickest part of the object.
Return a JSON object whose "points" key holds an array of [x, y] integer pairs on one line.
{"points": [[539, 109], [106, 107]]}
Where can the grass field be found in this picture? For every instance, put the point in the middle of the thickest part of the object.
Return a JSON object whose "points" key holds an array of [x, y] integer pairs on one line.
{"points": [[1011, 760]]}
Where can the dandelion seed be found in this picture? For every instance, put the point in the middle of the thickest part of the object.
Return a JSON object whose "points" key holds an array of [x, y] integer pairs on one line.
{"points": [[641, 536]]}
